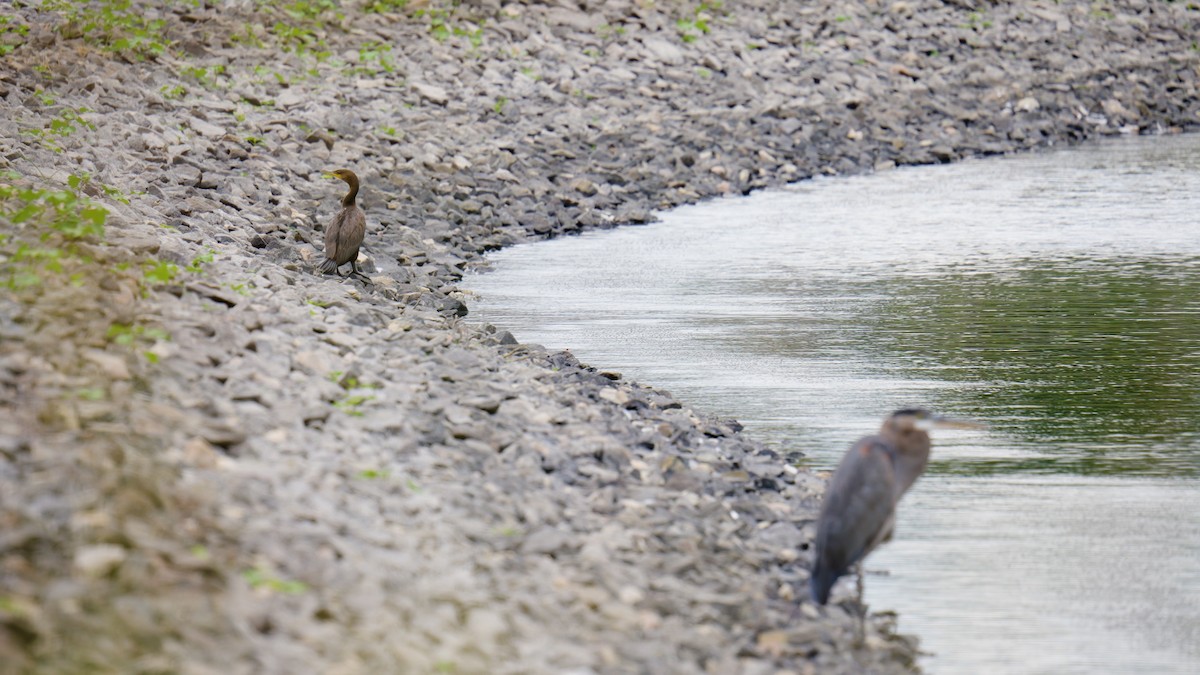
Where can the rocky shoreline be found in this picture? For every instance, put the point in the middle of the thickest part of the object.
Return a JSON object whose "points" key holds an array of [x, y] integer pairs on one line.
{"points": [[213, 459]]}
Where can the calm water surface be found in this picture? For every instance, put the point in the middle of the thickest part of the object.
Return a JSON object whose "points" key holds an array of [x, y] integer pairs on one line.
{"points": [[1055, 297]]}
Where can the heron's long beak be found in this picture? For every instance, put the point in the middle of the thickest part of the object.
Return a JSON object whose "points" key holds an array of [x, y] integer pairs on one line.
{"points": [[943, 422]]}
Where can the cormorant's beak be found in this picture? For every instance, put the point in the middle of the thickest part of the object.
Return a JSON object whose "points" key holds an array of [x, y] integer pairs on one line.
{"points": [[328, 174], [943, 422]]}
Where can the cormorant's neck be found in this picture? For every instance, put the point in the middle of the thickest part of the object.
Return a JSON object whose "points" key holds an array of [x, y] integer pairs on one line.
{"points": [[348, 200]]}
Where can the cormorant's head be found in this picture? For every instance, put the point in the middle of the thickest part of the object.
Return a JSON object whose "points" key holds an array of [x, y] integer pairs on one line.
{"points": [[343, 174]]}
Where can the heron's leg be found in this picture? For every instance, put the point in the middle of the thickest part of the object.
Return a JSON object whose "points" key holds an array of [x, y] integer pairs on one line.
{"points": [[862, 606]]}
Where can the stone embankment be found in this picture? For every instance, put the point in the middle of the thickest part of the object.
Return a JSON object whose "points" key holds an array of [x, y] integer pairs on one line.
{"points": [[213, 459]]}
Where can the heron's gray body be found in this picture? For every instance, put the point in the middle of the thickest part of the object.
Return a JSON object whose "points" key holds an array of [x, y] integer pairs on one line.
{"points": [[859, 511]]}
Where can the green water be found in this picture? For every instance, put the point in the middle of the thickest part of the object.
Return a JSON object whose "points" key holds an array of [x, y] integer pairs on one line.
{"points": [[1093, 362], [1055, 297]]}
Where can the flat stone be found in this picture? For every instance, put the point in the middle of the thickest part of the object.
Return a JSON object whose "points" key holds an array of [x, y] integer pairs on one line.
{"points": [[98, 560], [206, 129], [112, 365], [431, 93]]}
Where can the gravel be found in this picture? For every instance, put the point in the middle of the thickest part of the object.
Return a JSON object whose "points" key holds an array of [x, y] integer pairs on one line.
{"points": [[242, 466]]}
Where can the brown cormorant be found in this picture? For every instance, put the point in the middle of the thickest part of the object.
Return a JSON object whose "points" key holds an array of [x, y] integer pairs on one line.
{"points": [[345, 233]]}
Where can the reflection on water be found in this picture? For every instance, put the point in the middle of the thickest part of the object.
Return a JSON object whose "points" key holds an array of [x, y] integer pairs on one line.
{"points": [[1056, 297]]}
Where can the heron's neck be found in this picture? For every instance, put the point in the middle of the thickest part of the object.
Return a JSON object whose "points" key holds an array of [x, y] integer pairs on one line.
{"points": [[348, 200]]}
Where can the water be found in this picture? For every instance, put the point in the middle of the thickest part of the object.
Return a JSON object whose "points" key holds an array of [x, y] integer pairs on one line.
{"points": [[1055, 297]]}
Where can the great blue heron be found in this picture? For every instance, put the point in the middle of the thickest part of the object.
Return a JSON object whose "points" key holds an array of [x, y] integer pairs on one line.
{"points": [[859, 510], [345, 233]]}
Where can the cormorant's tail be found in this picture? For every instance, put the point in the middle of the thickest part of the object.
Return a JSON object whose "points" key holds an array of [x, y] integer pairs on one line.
{"points": [[328, 266]]}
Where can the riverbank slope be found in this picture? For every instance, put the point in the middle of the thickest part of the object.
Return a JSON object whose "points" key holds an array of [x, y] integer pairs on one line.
{"points": [[213, 459]]}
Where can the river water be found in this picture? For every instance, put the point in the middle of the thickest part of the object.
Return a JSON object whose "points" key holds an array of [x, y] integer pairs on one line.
{"points": [[1055, 297]]}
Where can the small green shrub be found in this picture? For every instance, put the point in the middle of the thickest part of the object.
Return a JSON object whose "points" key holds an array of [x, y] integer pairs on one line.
{"points": [[113, 25]]}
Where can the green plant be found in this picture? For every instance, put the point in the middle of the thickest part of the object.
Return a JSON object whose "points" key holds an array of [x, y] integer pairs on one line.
{"points": [[691, 27], [259, 577], [378, 53], [976, 22], [312, 10], [384, 6], [49, 213], [300, 40], [159, 272], [113, 25], [171, 93], [373, 473], [608, 33], [90, 394], [83, 181], [351, 402], [61, 126], [7, 28], [129, 335], [198, 263], [498, 106], [441, 27], [248, 36], [205, 76]]}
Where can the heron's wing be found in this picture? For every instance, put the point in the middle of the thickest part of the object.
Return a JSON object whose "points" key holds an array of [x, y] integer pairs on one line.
{"points": [[857, 513]]}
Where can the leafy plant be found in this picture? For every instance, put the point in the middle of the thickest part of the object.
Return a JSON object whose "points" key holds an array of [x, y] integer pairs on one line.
{"points": [[198, 263], [159, 272], [351, 402], [127, 334], [385, 6], [692, 27], [114, 25], [61, 126], [441, 27], [378, 53], [259, 577], [9, 27], [311, 10], [608, 33], [206, 76]]}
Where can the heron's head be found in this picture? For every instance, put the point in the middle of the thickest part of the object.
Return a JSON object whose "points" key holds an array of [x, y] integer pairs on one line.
{"points": [[910, 420]]}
